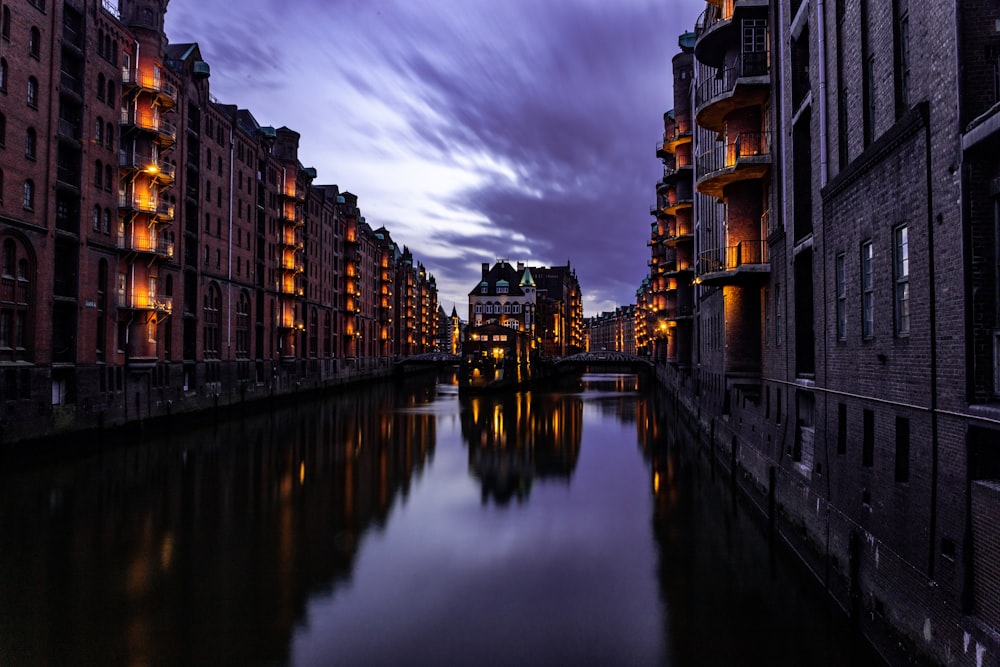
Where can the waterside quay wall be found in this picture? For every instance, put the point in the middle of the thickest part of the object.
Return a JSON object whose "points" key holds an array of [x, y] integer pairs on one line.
{"points": [[909, 617]]}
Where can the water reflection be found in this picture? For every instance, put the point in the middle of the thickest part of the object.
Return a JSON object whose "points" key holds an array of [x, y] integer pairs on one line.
{"points": [[514, 438], [372, 528], [202, 548]]}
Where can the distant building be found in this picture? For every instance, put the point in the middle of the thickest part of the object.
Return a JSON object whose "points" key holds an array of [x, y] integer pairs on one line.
{"points": [[613, 330], [545, 302]]}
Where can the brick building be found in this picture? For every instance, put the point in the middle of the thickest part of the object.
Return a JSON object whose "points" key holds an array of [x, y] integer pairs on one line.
{"points": [[161, 249], [613, 330], [845, 297], [545, 302]]}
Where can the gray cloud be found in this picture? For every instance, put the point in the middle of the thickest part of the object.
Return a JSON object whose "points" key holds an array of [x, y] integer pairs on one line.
{"points": [[554, 104]]}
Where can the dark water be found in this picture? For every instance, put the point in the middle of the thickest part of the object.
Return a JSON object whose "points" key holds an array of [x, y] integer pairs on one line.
{"points": [[403, 526]]}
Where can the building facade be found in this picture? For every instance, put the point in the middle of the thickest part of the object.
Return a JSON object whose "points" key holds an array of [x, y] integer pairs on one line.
{"points": [[845, 297], [160, 248]]}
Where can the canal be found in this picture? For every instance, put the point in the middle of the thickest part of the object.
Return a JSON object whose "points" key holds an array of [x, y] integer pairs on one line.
{"points": [[403, 525]]}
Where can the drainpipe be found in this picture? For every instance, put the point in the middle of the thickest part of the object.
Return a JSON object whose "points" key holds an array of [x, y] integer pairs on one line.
{"points": [[932, 324], [821, 38], [229, 260]]}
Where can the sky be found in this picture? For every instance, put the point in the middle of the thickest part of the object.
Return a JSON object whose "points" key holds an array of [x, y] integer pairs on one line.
{"points": [[473, 130]]}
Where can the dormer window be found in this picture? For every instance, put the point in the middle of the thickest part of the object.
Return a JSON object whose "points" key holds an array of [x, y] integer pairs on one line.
{"points": [[501, 290]]}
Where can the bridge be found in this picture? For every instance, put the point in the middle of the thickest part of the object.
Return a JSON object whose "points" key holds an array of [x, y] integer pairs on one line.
{"points": [[428, 359], [605, 361]]}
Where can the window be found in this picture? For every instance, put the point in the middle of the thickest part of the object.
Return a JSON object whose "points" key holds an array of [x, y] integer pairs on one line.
{"points": [[869, 99], [107, 221], [243, 325], [30, 143], [16, 284], [100, 87], [867, 291], [210, 332], [901, 276], [902, 450], [109, 135], [1, 187], [111, 93], [32, 92], [29, 195], [841, 285], [98, 173], [3, 130], [5, 24], [99, 130], [903, 63], [34, 43], [97, 218], [3, 74], [868, 440]]}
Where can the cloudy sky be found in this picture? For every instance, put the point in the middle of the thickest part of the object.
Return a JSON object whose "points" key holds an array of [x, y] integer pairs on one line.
{"points": [[472, 129]]}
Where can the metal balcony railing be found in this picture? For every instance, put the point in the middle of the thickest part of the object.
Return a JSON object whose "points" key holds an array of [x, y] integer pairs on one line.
{"points": [[157, 302], [154, 246], [728, 155], [731, 258], [751, 64]]}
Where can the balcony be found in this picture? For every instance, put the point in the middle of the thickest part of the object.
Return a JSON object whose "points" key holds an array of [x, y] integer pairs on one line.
{"points": [[715, 29], [745, 263], [153, 302], [678, 236], [70, 83], [162, 210], [163, 172], [675, 170], [290, 239], [165, 92], [166, 133], [743, 85], [290, 263], [146, 245], [67, 129], [676, 314], [677, 131], [747, 157]]}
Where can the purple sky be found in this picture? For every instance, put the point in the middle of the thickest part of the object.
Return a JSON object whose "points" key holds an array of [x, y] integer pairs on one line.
{"points": [[471, 129]]}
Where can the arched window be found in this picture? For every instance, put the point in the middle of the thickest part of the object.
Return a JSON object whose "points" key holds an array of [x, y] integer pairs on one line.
{"points": [[1, 187], [109, 135], [100, 87], [97, 218], [30, 143], [5, 24], [32, 92], [107, 46], [34, 43], [29, 195], [100, 42], [111, 93], [99, 130], [107, 221], [3, 73], [16, 283], [98, 173], [108, 177], [3, 130]]}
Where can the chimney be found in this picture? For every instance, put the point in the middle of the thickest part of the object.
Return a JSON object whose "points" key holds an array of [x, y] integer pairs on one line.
{"points": [[486, 269], [520, 266]]}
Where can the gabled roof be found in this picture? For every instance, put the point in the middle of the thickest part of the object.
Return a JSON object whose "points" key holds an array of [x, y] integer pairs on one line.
{"points": [[503, 274]]}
